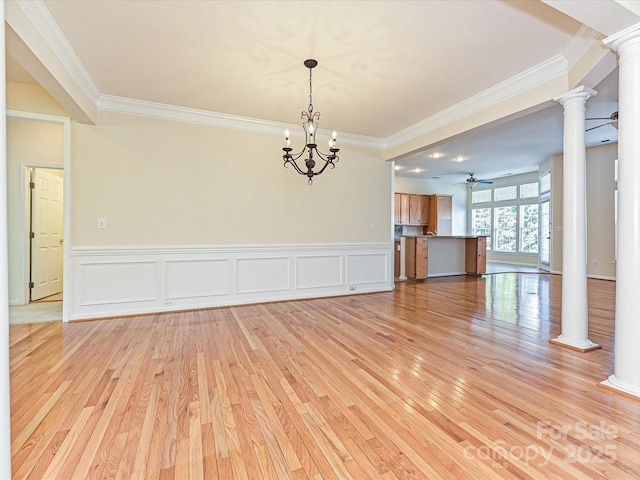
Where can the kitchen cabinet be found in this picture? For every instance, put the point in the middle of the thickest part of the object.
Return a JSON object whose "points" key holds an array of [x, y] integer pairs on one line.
{"points": [[475, 261], [416, 257], [411, 209], [401, 208], [418, 210], [439, 255], [440, 214]]}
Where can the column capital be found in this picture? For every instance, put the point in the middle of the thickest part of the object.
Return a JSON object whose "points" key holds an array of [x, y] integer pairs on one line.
{"points": [[617, 39], [581, 92]]}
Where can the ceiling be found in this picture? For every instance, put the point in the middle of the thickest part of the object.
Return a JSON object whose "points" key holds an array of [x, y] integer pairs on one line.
{"points": [[514, 146], [384, 66]]}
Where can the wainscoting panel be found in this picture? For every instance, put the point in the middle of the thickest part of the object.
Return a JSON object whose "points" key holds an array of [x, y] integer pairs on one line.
{"points": [[196, 278], [119, 281], [367, 268], [266, 274], [319, 271]]}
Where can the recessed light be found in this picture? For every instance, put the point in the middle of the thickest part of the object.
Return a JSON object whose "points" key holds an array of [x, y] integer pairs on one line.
{"points": [[436, 155], [459, 159], [398, 167], [416, 170]]}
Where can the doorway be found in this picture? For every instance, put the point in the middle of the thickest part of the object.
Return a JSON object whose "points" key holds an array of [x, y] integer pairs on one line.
{"points": [[38, 145], [544, 246]]}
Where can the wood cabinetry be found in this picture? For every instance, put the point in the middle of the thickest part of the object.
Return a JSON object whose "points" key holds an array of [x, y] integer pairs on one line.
{"points": [[418, 210], [440, 214], [448, 256], [475, 261], [416, 257], [410, 209], [401, 208]]}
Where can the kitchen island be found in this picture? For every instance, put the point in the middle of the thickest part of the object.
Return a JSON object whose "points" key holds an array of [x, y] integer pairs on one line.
{"points": [[438, 256]]}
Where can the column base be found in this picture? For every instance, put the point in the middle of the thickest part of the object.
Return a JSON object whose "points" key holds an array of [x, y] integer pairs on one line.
{"points": [[581, 346], [613, 385], [402, 277]]}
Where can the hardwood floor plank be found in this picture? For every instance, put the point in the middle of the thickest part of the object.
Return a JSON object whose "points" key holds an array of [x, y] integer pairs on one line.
{"points": [[448, 378]]}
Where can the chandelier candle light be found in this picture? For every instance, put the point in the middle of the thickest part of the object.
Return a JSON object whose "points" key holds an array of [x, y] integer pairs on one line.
{"points": [[310, 125]]}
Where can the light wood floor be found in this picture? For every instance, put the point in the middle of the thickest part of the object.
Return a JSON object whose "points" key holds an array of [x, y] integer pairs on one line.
{"points": [[453, 378]]}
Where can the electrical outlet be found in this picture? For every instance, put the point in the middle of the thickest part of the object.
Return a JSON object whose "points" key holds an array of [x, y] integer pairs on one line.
{"points": [[352, 287], [169, 303], [594, 263], [102, 223], [372, 226]]}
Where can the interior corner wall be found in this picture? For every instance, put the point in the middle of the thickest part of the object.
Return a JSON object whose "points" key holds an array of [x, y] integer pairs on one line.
{"points": [[429, 186]]}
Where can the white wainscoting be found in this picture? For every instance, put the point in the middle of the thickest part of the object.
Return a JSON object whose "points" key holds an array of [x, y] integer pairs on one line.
{"points": [[108, 282]]}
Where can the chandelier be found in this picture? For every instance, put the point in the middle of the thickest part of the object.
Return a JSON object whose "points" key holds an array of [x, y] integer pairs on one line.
{"points": [[313, 155]]}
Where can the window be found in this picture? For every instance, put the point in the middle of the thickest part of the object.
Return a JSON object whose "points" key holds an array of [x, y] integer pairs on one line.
{"points": [[545, 182], [529, 228], [508, 216], [481, 223], [504, 230], [529, 190], [481, 196], [502, 194]]}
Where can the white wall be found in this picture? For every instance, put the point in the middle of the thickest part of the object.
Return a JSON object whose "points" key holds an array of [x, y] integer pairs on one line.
{"points": [[428, 186]]}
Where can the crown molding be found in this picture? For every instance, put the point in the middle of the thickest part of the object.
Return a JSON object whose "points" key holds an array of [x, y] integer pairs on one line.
{"points": [[538, 75], [548, 70], [580, 44], [38, 14], [130, 106]]}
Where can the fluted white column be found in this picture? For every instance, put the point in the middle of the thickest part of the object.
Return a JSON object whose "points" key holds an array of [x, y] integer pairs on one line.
{"points": [[626, 376], [575, 313], [5, 412]]}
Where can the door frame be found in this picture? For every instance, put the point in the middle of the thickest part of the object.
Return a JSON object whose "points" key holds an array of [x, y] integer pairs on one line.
{"points": [[545, 198], [24, 199]]}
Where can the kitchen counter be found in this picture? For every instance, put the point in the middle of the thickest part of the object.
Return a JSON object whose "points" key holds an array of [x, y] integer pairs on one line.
{"points": [[437, 256]]}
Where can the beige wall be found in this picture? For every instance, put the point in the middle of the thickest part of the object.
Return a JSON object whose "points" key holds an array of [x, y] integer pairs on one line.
{"points": [[429, 186], [159, 182], [29, 143], [600, 210]]}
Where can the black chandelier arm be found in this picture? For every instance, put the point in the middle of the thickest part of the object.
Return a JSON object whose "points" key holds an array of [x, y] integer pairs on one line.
{"points": [[330, 158], [289, 159]]}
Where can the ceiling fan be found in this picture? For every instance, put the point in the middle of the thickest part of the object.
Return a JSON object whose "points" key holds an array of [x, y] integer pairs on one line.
{"points": [[473, 181], [612, 120]]}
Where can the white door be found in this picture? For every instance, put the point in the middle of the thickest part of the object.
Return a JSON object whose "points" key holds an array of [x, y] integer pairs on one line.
{"points": [[544, 245], [46, 227]]}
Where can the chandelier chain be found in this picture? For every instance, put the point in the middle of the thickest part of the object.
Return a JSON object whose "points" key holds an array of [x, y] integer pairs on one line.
{"points": [[310, 91]]}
